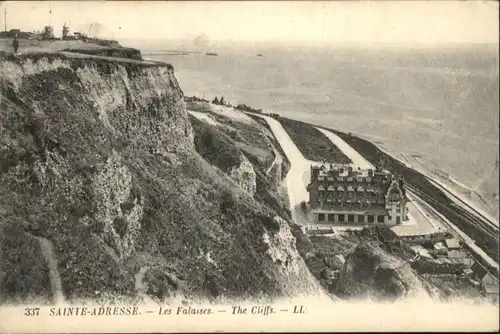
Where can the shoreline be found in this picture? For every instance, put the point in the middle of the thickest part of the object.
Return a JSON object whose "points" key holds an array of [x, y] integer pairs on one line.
{"points": [[456, 188]]}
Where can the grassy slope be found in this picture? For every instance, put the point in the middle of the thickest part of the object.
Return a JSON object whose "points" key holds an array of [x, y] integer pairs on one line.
{"points": [[23, 269], [222, 151], [286, 162], [189, 208], [216, 147], [27, 46], [312, 143]]}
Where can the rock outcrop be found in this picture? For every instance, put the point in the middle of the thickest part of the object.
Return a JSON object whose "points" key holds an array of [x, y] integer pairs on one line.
{"points": [[293, 272], [244, 175], [369, 272]]}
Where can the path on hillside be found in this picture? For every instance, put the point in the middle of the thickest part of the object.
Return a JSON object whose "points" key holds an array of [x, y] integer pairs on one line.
{"points": [[298, 175], [357, 159], [204, 117], [140, 287], [55, 280]]}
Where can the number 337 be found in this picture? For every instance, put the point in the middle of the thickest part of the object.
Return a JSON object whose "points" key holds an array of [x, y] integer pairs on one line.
{"points": [[31, 311]]}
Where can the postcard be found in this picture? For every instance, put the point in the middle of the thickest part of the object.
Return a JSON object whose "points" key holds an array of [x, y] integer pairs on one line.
{"points": [[238, 166]]}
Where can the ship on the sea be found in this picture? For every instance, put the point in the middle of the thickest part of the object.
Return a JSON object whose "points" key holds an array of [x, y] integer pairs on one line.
{"points": [[260, 55], [211, 54]]}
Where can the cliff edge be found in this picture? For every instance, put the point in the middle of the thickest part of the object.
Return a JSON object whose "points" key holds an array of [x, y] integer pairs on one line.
{"points": [[97, 157]]}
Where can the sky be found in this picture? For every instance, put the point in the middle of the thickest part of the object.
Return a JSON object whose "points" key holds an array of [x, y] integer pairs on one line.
{"points": [[331, 22]]}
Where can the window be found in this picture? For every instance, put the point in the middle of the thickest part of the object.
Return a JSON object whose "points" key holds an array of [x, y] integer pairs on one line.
{"points": [[380, 219], [361, 219], [389, 218], [341, 218], [350, 218], [398, 210], [321, 217], [331, 217], [371, 218]]}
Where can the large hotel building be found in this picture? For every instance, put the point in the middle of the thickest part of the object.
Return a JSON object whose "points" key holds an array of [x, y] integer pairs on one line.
{"points": [[343, 195]]}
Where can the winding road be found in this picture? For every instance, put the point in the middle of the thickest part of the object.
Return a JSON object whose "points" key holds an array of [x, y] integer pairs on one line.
{"points": [[357, 159], [298, 178]]}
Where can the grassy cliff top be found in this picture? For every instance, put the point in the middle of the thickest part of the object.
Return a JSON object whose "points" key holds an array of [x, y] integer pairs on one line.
{"points": [[73, 49]]}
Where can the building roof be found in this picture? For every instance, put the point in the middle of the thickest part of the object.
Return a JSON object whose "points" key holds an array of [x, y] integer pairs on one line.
{"points": [[347, 170], [489, 279], [467, 261], [479, 270], [468, 271], [457, 254], [490, 284], [418, 249], [452, 243], [491, 289], [350, 207], [439, 245]]}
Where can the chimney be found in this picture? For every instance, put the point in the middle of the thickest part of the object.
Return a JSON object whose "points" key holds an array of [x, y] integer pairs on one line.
{"points": [[314, 173]]}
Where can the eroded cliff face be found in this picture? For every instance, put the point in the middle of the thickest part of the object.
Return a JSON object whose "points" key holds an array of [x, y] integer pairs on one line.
{"points": [[97, 156], [244, 175], [368, 272], [292, 271]]}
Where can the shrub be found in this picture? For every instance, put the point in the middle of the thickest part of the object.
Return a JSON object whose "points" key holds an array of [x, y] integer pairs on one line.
{"points": [[228, 202], [303, 206], [120, 225], [270, 223], [127, 207]]}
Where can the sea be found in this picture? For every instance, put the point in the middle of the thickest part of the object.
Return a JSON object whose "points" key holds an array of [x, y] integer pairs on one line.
{"points": [[434, 107]]}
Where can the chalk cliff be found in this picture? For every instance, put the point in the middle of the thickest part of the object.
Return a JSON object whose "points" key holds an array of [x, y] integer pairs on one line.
{"points": [[98, 156]]}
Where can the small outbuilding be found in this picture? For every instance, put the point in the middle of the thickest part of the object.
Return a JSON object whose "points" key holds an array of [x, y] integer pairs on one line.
{"points": [[489, 287], [452, 244]]}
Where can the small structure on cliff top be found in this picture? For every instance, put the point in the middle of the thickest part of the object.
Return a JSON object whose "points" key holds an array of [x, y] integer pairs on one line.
{"points": [[48, 32], [65, 31]]}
